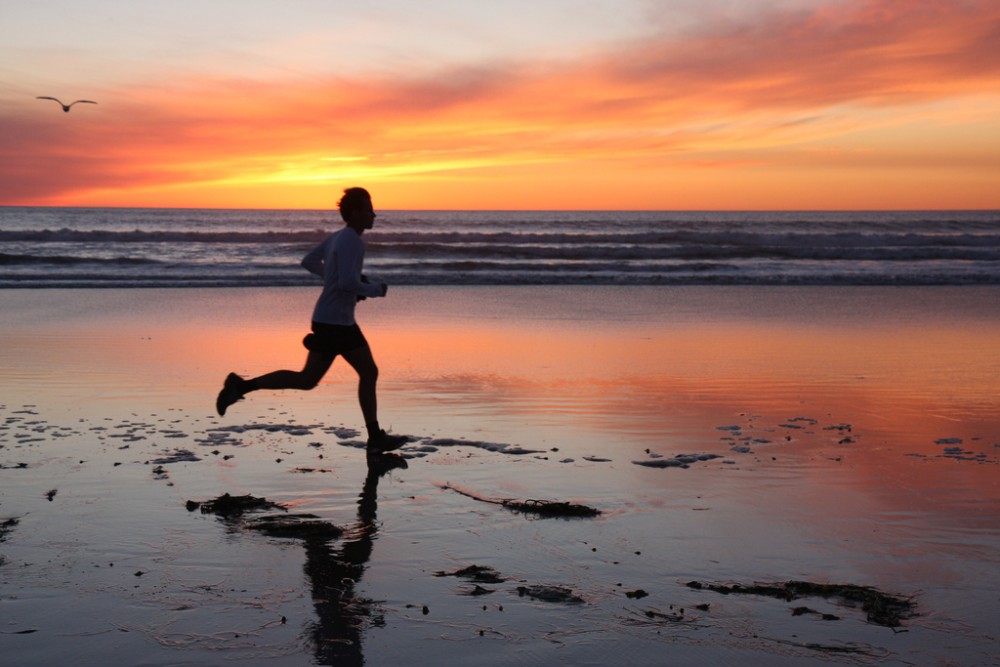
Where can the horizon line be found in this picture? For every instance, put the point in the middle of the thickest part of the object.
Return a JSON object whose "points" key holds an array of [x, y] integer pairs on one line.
{"points": [[534, 210]]}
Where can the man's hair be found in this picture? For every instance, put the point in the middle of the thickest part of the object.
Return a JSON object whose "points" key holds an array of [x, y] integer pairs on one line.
{"points": [[353, 198]]}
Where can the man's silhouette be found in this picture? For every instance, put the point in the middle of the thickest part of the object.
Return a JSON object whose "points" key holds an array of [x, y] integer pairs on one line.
{"points": [[338, 261]]}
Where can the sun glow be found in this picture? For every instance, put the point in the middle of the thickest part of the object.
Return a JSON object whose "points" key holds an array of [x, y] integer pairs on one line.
{"points": [[864, 104]]}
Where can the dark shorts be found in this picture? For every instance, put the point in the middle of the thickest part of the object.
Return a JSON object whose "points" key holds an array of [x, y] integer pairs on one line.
{"points": [[334, 339]]}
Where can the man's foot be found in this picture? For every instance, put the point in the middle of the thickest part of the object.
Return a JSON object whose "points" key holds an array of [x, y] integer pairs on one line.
{"points": [[383, 442], [232, 390]]}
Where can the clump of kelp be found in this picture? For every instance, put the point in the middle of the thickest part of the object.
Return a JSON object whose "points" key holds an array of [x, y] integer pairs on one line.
{"points": [[544, 508], [228, 506], [6, 526], [556, 594], [479, 574], [881, 608], [549, 508], [300, 526]]}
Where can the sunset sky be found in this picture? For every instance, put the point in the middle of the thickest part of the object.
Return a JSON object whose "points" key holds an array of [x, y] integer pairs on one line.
{"points": [[521, 104]]}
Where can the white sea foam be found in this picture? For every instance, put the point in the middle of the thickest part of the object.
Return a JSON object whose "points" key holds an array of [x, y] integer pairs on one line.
{"points": [[50, 247]]}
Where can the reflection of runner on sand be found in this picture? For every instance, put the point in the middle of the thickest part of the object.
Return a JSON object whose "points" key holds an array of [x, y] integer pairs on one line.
{"points": [[338, 260], [334, 570]]}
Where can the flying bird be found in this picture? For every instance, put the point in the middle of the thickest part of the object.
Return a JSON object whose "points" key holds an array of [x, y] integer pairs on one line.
{"points": [[67, 106]]}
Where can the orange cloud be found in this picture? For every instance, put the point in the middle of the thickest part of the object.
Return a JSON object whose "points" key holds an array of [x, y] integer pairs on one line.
{"points": [[735, 107]]}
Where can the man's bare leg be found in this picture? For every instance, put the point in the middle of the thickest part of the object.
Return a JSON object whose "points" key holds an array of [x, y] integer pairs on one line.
{"points": [[363, 363], [316, 366], [235, 387]]}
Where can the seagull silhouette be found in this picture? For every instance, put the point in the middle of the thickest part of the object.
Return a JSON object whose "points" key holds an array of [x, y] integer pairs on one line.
{"points": [[67, 106]]}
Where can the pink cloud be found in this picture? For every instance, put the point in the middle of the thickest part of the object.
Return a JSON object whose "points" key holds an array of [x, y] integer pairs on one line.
{"points": [[781, 72]]}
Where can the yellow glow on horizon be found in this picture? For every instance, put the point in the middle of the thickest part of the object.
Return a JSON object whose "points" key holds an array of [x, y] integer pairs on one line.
{"points": [[936, 157], [817, 115]]}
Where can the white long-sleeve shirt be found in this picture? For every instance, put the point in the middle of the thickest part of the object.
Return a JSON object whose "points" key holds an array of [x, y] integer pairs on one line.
{"points": [[338, 261]]}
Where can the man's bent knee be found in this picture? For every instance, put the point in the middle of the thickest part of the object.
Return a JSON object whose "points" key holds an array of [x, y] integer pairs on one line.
{"points": [[307, 382], [368, 373]]}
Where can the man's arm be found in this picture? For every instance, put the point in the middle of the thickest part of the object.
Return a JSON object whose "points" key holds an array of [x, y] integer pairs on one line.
{"points": [[313, 261], [350, 257]]}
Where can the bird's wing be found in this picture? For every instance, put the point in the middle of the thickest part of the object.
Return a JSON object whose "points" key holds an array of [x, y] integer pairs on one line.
{"points": [[48, 98], [83, 101]]}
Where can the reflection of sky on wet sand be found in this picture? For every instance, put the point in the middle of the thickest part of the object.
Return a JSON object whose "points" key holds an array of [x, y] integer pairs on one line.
{"points": [[610, 369], [606, 373]]}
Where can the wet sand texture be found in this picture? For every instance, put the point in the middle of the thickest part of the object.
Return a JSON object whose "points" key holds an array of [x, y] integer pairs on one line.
{"points": [[753, 476]]}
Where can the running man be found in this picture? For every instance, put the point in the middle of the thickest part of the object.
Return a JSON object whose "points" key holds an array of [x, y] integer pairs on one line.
{"points": [[337, 260]]}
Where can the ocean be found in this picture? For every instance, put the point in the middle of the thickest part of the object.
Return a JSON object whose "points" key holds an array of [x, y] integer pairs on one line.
{"points": [[120, 247]]}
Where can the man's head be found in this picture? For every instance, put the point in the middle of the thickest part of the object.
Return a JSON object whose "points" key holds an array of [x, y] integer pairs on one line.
{"points": [[356, 209]]}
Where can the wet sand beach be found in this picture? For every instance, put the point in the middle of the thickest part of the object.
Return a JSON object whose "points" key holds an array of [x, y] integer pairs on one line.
{"points": [[732, 439]]}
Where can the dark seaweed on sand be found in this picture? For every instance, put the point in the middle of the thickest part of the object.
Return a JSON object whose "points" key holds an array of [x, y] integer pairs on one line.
{"points": [[229, 506], [881, 608], [556, 594], [545, 508], [6, 526], [300, 526], [476, 573], [550, 508]]}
